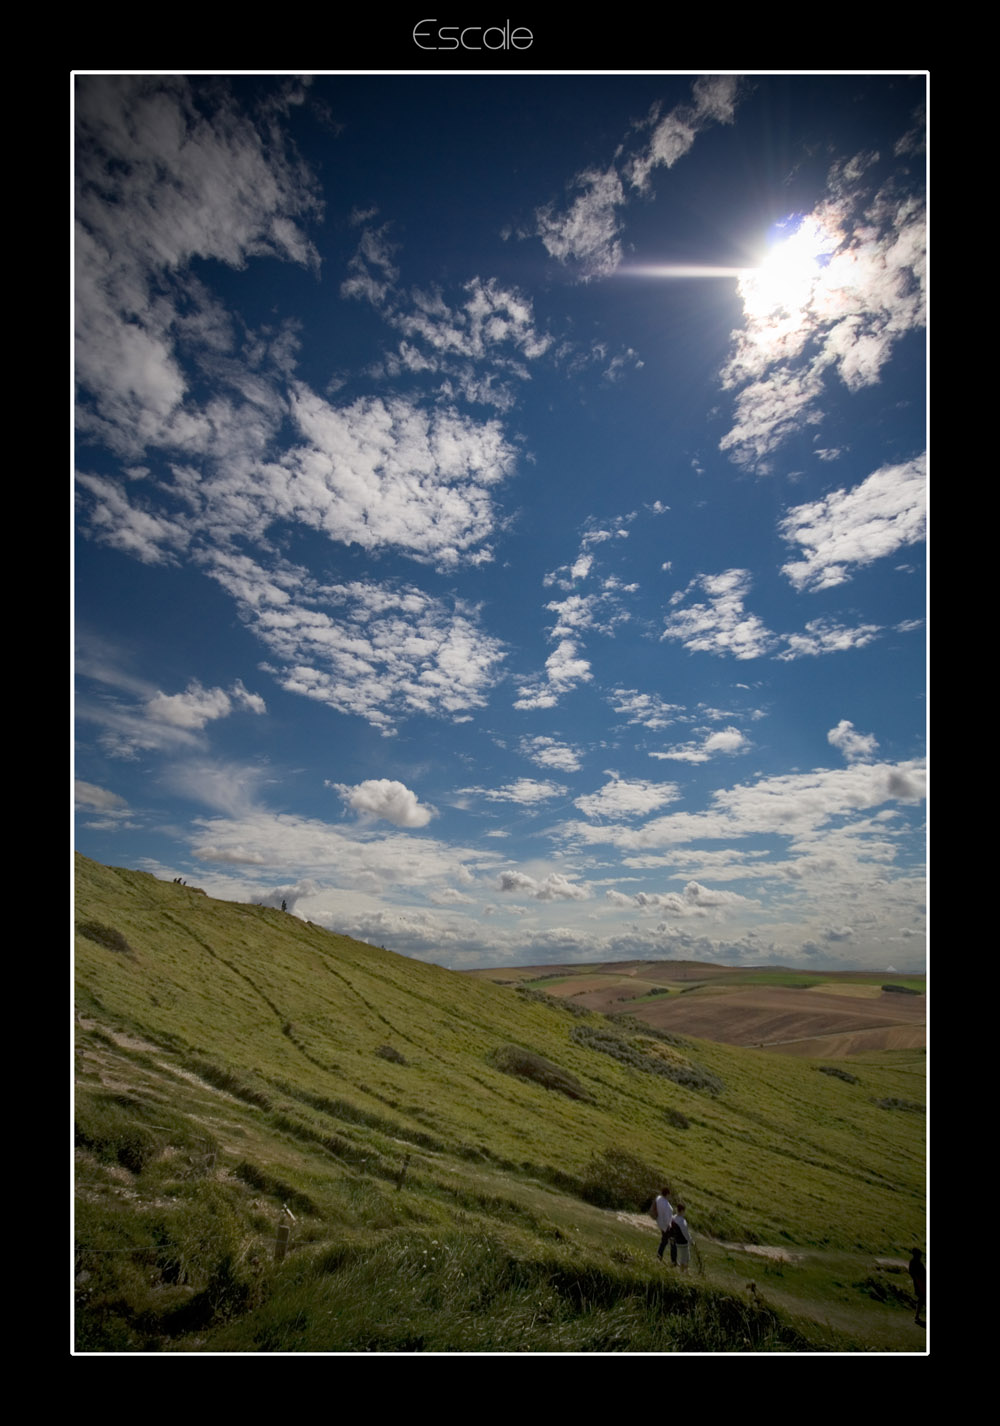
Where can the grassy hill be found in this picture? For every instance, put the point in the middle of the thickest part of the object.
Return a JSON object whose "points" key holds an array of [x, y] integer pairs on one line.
{"points": [[459, 1164]]}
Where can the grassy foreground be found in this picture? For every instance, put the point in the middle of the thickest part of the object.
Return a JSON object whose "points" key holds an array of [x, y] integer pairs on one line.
{"points": [[456, 1162]]}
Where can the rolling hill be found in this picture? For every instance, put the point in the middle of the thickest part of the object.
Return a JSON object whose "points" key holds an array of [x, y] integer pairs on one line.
{"points": [[457, 1165]]}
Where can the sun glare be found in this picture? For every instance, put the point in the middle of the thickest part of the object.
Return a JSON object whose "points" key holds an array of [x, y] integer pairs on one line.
{"points": [[785, 281]]}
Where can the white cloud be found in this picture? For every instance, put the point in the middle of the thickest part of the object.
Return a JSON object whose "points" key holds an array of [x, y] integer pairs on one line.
{"points": [[791, 805], [114, 520], [727, 741], [549, 752], [624, 797], [646, 709], [694, 900], [563, 669], [197, 706], [855, 527], [372, 650], [381, 798], [162, 722], [855, 746], [831, 302], [526, 792], [587, 232], [166, 174], [826, 636], [555, 887], [380, 473], [98, 799], [722, 626]]}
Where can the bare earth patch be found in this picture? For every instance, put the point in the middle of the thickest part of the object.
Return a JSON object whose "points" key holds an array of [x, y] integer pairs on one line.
{"points": [[789, 1020]]}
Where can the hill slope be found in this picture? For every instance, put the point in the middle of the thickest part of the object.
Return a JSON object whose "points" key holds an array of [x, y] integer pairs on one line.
{"points": [[235, 1063]]}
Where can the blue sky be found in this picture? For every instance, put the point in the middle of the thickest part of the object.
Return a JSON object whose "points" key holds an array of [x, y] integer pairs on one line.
{"points": [[500, 507]]}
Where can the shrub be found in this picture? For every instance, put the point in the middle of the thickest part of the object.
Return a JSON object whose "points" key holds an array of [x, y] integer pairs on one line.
{"points": [[105, 936], [627, 1052], [838, 1073], [388, 1053], [676, 1119], [616, 1179], [906, 1104], [902, 989], [525, 1064]]}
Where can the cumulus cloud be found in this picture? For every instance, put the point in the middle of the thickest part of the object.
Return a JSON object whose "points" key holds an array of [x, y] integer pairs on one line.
{"points": [[855, 527], [554, 887], [694, 900], [855, 746], [382, 798], [197, 706], [727, 741]]}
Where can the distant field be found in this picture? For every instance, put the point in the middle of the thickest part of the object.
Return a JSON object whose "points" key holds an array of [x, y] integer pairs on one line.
{"points": [[835, 1013]]}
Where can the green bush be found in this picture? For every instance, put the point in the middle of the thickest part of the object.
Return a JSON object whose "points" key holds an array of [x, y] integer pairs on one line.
{"points": [[838, 1073], [627, 1052], [616, 1179], [388, 1053], [105, 936], [525, 1064]]}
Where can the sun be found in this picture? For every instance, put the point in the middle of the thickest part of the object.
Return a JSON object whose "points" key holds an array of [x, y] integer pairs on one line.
{"points": [[782, 288]]}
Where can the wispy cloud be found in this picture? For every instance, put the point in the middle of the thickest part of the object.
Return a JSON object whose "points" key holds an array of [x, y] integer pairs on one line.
{"points": [[526, 792], [848, 528], [586, 232], [369, 649], [722, 625], [627, 797]]}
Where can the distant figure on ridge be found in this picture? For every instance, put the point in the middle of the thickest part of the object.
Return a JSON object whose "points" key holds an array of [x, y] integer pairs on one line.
{"points": [[664, 1218], [918, 1273], [284, 905]]}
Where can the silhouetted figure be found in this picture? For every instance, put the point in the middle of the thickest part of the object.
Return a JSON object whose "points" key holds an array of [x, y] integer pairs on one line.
{"points": [[284, 906], [918, 1273]]}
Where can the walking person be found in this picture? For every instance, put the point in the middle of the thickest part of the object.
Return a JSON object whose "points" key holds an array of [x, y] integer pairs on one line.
{"points": [[680, 1239], [918, 1273], [664, 1218]]}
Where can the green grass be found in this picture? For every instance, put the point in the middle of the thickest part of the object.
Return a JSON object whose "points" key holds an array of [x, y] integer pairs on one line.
{"points": [[233, 1065]]}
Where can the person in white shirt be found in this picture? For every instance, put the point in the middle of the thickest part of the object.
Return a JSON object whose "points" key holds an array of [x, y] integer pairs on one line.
{"points": [[664, 1218]]}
